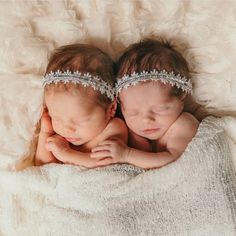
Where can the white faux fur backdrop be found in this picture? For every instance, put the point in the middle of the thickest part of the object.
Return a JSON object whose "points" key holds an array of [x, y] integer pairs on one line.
{"points": [[203, 30]]}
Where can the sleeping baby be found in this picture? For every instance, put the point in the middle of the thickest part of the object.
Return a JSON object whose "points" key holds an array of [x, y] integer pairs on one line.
{"points": [[153, 80]]}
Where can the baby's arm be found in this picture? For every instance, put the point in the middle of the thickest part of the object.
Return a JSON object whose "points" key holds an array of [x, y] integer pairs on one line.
{"points": [[116, 151], [63, 152], [117, 132], [177, 142], [184, 130], [61, 149], [43, 156]]}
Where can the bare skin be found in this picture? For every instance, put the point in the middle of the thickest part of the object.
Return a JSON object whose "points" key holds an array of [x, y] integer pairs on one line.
{"points": [[69, 130], [159, 129]]}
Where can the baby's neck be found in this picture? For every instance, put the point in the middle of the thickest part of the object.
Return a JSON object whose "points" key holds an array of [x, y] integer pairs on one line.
{"points": [[153, 145]]}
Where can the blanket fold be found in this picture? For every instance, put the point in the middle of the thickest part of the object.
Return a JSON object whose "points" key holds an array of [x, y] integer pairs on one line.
{"points": [[196, 195]]}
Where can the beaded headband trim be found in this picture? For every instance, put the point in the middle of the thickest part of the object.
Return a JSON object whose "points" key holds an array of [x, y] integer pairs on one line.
{"points": [[154, 75], [85, 79]]}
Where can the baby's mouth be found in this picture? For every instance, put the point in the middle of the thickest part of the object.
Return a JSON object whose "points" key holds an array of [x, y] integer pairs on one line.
{"points": [[150, 131]]}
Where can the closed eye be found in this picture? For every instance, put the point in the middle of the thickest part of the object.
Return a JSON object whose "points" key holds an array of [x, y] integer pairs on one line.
{"points": [[160, 110], [81, 122], [132, 114]]}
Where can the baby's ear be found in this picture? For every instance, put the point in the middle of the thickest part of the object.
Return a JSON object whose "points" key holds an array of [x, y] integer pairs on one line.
{"points": [[112, 108]]}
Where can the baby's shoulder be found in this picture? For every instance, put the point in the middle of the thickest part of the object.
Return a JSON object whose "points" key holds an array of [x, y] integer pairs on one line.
{"points": [[186, 123], [116, 123], [188, 117], [116, 128], [184, 129]]}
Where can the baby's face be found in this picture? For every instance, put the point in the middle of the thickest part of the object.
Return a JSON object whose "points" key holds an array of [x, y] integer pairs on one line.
{"points": [[149, 110], [76, 117]]}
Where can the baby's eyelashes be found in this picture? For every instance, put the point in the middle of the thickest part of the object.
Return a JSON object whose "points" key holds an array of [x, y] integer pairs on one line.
{"points": [[82, 121], [132, 113]]}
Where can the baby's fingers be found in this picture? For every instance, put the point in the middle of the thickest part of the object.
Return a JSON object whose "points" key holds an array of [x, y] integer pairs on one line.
{"points": [[100, 148], [105, 161], [100, 154]]}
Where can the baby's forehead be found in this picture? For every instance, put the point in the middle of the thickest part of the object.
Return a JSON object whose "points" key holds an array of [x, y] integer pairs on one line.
{"points": [[149, 97], [143, 104], [68, 110], [75, 91], [71, 88], [145, 90], [75, 99]]}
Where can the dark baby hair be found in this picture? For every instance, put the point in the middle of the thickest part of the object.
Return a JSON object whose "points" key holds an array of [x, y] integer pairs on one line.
{"points": [[85, 59], [148, 55]]}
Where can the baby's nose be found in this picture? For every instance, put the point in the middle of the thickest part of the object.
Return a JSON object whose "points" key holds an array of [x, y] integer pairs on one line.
{"points": [[70, 129], [149, 118]]}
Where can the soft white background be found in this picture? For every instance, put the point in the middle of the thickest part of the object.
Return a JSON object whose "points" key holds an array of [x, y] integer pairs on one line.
{"points": [[203, 30]]}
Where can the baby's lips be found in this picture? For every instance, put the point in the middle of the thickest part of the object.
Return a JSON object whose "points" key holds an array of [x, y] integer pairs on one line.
{"points": [[72, 139]]}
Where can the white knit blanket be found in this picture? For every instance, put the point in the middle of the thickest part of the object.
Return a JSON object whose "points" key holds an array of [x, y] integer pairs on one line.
{"points": [[196, 195]]}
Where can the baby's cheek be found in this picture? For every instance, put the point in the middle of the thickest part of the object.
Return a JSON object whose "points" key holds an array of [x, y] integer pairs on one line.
{"points": [[56, 128], [53, 123], [132, 124]]}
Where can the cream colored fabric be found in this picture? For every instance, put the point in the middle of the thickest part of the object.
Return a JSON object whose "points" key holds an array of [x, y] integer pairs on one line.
{"points": [[204, 31], [196, 195]]}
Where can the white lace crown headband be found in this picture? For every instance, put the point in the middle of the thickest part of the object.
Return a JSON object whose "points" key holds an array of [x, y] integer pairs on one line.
{"points": [[85, 79], [154, 75]]}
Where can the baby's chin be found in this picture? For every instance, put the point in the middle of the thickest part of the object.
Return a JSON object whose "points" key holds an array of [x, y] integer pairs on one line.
{"points": [[153, 136], [77, 143]]}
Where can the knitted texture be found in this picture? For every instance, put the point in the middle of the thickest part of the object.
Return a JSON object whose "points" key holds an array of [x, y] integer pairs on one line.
{"points": [[196, 195]]}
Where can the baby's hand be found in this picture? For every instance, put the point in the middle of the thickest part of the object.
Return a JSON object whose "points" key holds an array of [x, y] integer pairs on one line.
{"points": [[113, 150], [58, 146], [46, 124], [62, 151], [93, 163]]}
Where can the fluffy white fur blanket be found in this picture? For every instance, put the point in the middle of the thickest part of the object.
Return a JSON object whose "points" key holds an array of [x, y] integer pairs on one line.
{"points": [[204, 31], [196, 195]]}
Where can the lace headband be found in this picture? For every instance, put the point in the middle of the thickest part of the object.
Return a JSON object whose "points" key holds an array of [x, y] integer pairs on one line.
{"points": [[154, 75], [85, 79]]}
